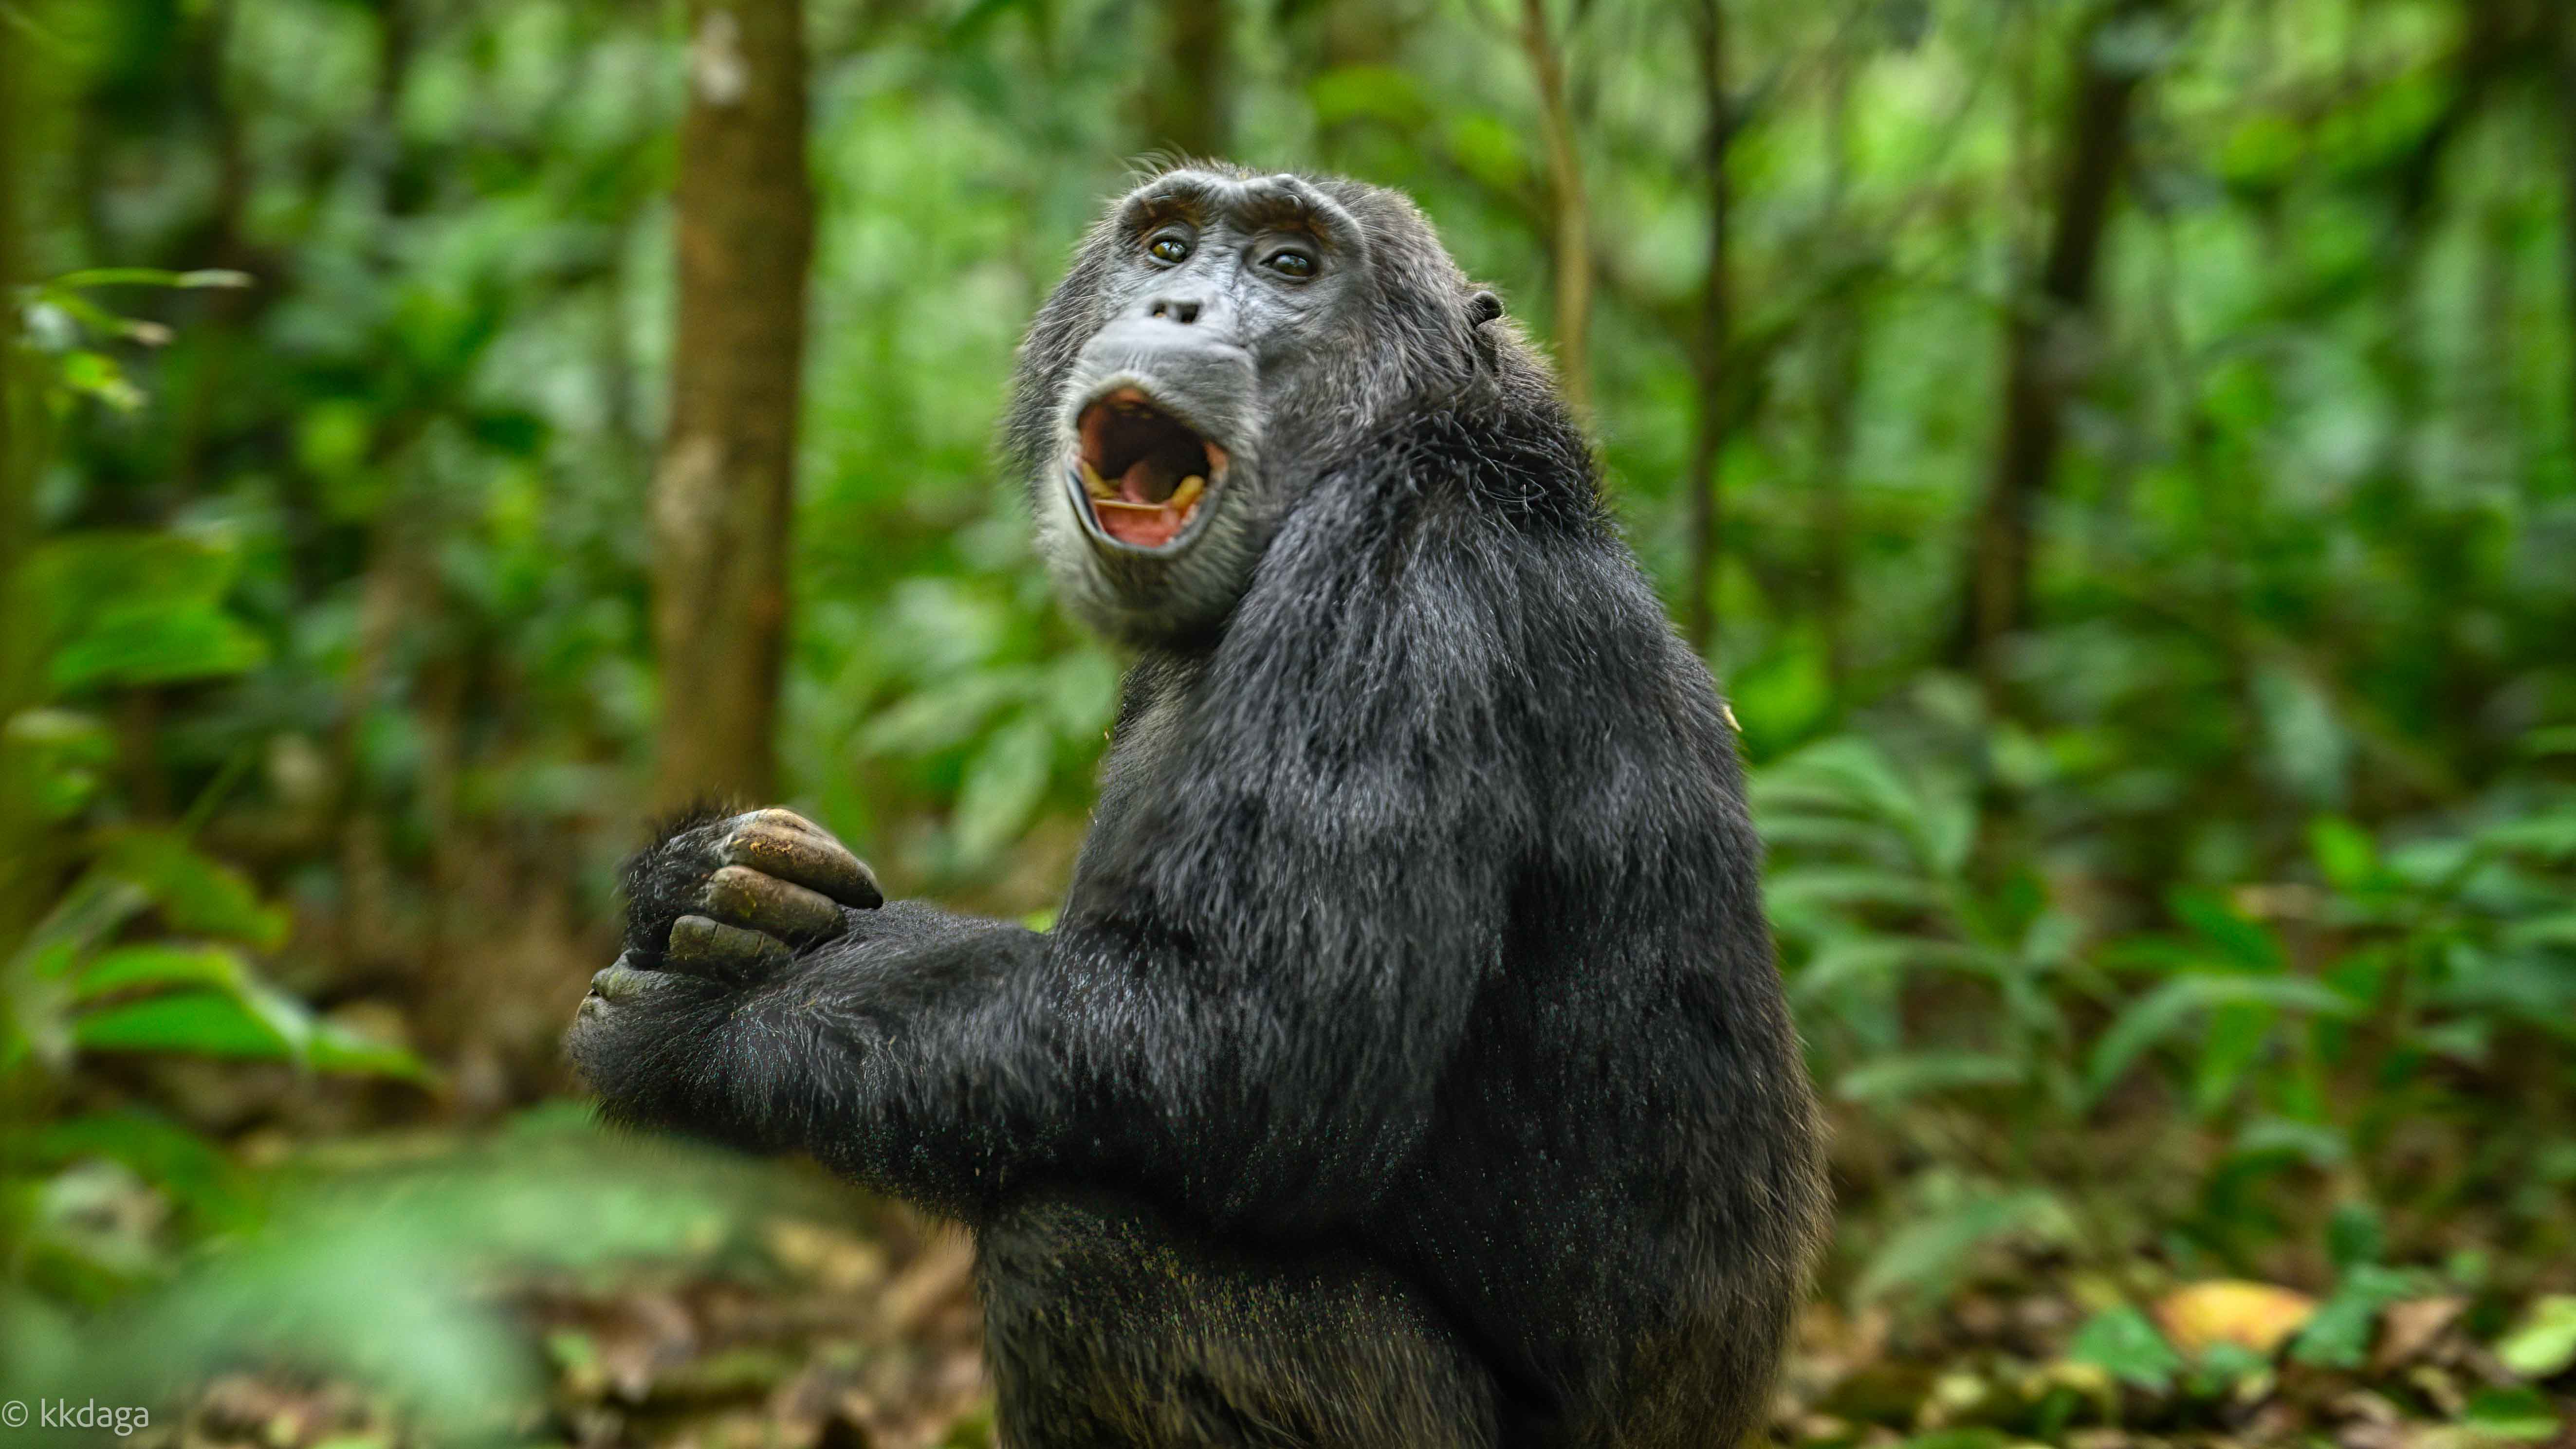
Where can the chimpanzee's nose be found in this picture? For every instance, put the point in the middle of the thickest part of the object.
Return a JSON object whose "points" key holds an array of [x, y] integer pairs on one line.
{"points": [[1184, 310]]}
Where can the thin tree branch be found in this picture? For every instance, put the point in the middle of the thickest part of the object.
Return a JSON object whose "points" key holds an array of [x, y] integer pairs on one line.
{"points": [[1570, 246], [1712, 342]]}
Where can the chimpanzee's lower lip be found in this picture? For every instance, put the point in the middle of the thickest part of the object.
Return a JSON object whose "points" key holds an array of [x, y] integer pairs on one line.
{"points": [[1188, 527]]}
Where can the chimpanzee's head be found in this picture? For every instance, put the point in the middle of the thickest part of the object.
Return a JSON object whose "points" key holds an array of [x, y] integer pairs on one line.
{"points": [[1221, 340]]}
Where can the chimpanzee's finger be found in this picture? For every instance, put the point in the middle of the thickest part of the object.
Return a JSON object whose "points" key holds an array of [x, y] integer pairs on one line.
{"points": [[741, 896], [780, 815], [712, 948], [802, 853]]}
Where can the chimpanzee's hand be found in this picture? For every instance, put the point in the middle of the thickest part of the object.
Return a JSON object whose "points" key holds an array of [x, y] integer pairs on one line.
{"points": [[734, 897], [759, 978]]}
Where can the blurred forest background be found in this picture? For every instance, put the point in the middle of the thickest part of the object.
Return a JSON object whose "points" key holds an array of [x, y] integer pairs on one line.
{"points": [[2119, 456]]}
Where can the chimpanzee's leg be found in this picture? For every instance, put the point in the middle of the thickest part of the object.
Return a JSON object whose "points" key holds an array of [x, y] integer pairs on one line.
{"points": [[1108, 1330]]}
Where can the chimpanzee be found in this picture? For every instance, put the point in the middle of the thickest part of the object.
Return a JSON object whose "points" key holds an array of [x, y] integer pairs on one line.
{"points": [[1407, 1066]]}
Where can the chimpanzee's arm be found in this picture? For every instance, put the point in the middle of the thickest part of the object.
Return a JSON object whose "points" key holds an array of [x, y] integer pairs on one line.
{"points": [[1269, 959]]}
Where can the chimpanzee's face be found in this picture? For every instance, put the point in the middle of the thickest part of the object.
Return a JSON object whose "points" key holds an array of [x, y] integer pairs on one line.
{"points": [[1219, 304]]}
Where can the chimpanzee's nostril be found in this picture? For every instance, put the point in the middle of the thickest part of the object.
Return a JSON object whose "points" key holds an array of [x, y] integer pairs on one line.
{"points": [[1181, 312]]}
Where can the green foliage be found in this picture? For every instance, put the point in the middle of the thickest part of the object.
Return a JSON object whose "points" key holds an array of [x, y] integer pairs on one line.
{"points": [[1962, 1002], [2224, 929], [548, 1193], [2339, 1336], [70, 330], [1945, 1230], [108, 610], [134, 609], [2122, 1343], [2543, 1344]]}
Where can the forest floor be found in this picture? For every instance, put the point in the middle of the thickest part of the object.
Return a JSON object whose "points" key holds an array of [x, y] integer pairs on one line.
{"points": [[868, 1339]]}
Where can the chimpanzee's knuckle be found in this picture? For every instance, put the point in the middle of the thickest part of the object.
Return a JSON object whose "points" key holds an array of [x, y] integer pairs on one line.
{"points": [[742, 896], [779, 817], [701, 943]]}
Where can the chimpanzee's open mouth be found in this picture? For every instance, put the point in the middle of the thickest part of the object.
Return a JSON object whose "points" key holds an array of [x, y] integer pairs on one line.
{"points": [[1142, 472]]}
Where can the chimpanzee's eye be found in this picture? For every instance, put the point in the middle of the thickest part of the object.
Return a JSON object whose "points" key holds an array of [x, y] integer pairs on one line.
{"points": [[1291, 263], [1168, 248]]}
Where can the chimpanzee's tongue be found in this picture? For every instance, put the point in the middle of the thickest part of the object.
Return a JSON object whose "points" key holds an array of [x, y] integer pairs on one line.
{"points": [[1146, 507], [1143, 528], [1137, 484]]}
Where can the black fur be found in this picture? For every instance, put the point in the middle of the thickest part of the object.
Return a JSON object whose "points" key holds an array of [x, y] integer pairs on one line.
{"points": [[1407, 1065], [660, 882]]}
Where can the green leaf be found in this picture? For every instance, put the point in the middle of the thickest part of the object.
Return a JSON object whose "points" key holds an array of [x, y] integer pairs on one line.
{"points": [[2230, 1045], [96, 375], [2355, 1236], [1081, 693], [2051, 940], [937, 719], [1819, 835], [2557, 930], [2543, 1343], [332, 436], [151, 277], [159, 965], [1849, 773], [2160, 1013], [1908, 1074], [1961, 1439], [1841, 959], [2312, 1142], [203, 1023], [2339, 1335], [197, 1174], [132, 608], [80, 574], [979, 15], [2551, 837], [2513, 1416], [2242, 942], [155, 644], [61, 752], [196, 895], [1368, 92], [1490, 149], [88, 913], [1834, 885], [1002, 789], [2344, 851], [1928, 1253], [1853, 957], [2224, 1365], [2124, 1344], [336, 1051]]}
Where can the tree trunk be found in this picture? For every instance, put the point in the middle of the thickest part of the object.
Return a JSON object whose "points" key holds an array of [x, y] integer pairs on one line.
{"points": [[1570, 245], [1346, 34], [2038, 344], [1185, 104], [27, 862], [2567, 218], [393, 593], [24, 864], [722, 491], [1710, 349], [1838, 376]]}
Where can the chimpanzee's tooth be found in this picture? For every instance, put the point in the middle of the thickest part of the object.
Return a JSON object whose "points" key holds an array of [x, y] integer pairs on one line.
{"points": [[1093, 483], [1188, 493]]}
